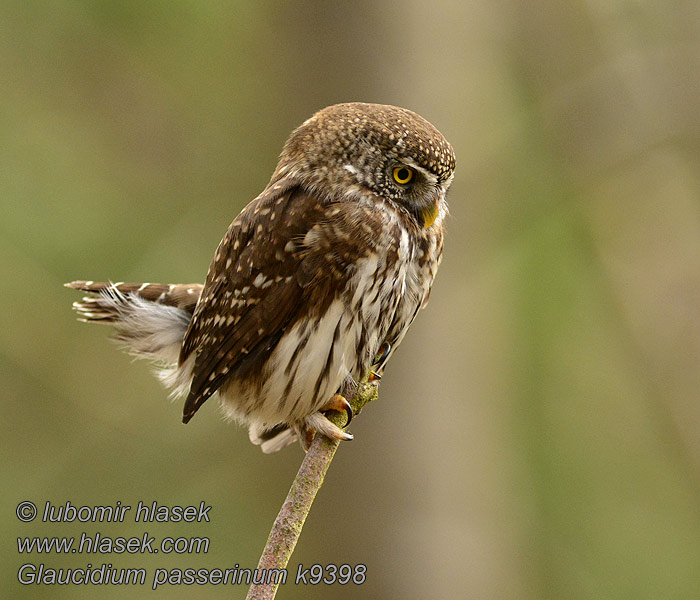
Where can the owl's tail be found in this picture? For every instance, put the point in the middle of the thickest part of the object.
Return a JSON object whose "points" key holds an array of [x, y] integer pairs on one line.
{"points": [[149, 319]]}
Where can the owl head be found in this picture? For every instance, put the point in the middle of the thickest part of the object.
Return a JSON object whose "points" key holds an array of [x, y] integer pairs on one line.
{"points": [[371, 153]]}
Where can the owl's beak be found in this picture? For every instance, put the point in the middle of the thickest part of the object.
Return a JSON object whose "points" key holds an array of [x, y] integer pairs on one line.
{"points": [[430, 213]]}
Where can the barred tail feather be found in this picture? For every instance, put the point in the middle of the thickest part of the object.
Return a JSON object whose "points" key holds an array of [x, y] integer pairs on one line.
{"points": [[149, 320]]}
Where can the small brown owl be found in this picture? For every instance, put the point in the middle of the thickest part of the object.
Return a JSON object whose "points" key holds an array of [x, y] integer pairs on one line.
{"points": [[314, 284]]}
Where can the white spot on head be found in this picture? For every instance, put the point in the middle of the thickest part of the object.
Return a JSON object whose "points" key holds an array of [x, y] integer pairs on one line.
{"points": [[310, 237]]}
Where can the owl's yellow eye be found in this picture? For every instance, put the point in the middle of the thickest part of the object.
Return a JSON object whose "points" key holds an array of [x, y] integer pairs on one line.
{"points": [[403, 175]]}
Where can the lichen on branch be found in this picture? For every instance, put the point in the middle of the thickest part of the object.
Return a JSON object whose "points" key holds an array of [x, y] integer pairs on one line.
{"points": [[290, 520]]}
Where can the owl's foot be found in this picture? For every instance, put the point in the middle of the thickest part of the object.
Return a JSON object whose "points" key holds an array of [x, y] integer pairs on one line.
{"points": [[319, 423]]}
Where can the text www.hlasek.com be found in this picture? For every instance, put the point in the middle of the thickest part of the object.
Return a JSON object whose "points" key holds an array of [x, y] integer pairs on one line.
{"points": [[100, 544]]}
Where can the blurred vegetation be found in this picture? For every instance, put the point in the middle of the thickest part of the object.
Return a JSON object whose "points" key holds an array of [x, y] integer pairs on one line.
{"points": [[537, 434]]}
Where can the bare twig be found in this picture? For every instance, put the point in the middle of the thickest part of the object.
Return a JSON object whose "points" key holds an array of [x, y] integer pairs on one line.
{"points": [[290, 520]]}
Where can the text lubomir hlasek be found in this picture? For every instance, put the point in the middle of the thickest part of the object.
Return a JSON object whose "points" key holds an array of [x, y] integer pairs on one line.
{"points": [[144, 513]]}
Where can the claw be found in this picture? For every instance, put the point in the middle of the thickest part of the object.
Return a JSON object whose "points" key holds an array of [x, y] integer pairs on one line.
{"points": [[339, 404], [382, 356], [384, 349], [319, 423]]}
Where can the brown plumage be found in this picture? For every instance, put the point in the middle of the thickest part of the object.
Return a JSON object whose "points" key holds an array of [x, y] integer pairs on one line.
{"points": [[317, 276]]}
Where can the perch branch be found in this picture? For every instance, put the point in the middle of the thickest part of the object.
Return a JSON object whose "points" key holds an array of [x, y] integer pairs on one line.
{"points": [[290, 520]]}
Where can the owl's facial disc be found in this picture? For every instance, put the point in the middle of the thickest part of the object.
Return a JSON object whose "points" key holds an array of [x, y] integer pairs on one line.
{"points": [[419, 191]]}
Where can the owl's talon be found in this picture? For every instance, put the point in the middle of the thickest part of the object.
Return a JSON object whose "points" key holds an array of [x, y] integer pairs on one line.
{"points": [[378, 367], [338, 403], [384, 350], [319, 423]]}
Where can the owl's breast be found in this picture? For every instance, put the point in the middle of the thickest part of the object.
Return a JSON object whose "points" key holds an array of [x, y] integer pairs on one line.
{"points": [[418, 260]]}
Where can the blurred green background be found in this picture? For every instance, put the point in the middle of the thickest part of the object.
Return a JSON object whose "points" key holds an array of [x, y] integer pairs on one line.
{"points": [[538, 431]]}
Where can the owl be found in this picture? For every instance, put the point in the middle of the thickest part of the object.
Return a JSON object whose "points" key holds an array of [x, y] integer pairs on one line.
{"points": [[314, 284]]}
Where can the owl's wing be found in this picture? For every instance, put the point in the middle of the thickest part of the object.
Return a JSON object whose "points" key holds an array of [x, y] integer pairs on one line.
{"points": [[275, 264]]}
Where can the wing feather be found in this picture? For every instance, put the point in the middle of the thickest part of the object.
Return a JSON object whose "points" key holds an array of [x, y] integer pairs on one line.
{"points": [[251, 294]]}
